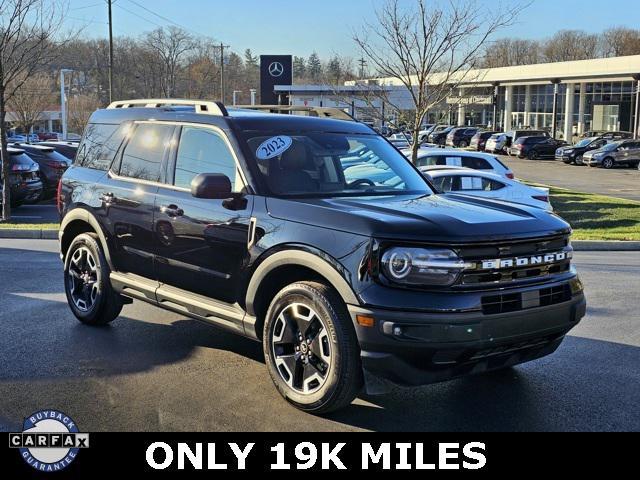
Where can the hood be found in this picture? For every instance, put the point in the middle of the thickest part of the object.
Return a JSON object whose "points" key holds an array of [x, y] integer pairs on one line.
{"points": [[445, 218]]}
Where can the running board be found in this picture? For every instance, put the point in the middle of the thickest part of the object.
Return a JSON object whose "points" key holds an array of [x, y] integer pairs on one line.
{"points": [[227, 316]]}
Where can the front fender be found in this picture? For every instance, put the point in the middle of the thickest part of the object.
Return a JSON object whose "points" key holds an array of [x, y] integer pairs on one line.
{"points": [[305, 256]]}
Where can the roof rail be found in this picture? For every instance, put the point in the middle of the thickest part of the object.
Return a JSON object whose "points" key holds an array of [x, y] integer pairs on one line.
{"points": [[326, 112], [204, 107]]}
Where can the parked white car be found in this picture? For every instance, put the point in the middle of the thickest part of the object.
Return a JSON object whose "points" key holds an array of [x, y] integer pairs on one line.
{"points": [[466, 181], [497, 143], [459, 158]]}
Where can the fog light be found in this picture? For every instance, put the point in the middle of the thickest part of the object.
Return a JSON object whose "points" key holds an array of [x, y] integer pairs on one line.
{"points": [[397, 331]]}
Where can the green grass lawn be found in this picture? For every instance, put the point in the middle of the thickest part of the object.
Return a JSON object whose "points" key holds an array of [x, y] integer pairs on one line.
{"points": [[597, 217]]}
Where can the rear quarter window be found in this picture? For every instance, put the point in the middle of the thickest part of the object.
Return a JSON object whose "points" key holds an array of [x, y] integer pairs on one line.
{"points": [[476, 163], [100, 144]]}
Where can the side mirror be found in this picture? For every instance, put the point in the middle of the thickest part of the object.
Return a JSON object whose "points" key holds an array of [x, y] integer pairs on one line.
{"points": [[211, 186]]}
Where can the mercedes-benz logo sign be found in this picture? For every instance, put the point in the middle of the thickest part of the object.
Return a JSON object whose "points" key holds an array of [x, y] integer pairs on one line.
{"points": [[276, 69]]}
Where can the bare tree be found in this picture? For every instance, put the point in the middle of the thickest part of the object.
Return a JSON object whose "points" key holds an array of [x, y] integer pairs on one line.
{"points": [[430, 50], [28, 33], [170, 45], [568, 45], [620, 41], [31, 100], [508, 52], [80, 108]]}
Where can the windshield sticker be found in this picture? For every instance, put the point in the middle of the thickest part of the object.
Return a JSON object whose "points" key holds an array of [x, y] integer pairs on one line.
{"points": [[273, 147]]}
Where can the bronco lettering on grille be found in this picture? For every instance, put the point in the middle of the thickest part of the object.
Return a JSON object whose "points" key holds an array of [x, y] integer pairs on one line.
{"points": [[502, 263]]}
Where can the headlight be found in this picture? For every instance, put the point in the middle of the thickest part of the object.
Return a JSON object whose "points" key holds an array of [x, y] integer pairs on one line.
{"points": [[568, 152], [421, 266]]}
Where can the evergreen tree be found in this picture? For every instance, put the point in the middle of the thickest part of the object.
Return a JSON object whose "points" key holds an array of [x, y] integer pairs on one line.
{"points": [[314, 67], [299, 68]]}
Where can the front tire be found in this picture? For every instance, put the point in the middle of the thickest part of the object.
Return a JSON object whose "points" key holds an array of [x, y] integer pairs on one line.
{"points": [[463, 144], [533, 155], [86, 280], [608, 163], [310, 348]]}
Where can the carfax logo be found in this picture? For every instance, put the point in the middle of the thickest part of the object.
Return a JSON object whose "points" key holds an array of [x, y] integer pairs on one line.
{"points": [[50, 440]]}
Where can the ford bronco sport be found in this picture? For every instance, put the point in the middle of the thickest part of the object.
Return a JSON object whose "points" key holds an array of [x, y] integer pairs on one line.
{"points": [[314, 236]]}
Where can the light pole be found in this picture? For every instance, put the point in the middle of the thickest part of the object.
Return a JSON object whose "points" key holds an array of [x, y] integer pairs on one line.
{"points": [[63, 102], [636, 120], [110, 54], [235, 97]]}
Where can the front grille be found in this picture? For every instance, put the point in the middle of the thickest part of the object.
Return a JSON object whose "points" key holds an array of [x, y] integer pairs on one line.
{"points": [[514, 302], [479, 277]]}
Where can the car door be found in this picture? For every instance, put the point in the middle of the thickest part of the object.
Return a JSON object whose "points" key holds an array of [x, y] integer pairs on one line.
{"points": [[632, 156], [128, 197], [201, 244]]}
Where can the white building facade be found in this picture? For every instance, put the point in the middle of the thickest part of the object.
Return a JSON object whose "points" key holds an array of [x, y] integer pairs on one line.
{"points": [[598, 94]]}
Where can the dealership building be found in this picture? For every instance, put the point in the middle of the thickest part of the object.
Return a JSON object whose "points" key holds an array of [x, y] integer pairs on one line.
{"points": [[597, 94]]}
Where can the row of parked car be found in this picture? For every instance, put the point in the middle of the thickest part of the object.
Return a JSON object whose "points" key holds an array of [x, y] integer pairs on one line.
{"points": [[596, 149], [477, 174], [36, 168]]}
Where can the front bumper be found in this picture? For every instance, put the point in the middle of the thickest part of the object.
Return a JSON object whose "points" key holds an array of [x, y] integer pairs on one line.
{"points": [[592, 162], [414, 348]]}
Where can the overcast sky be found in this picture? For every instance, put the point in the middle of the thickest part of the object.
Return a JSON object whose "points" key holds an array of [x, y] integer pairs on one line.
{"points": [[299, 27]]}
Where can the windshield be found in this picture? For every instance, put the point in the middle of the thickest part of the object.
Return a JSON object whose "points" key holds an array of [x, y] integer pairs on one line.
{"points": [[611, 146], [584, 143], [332, 164]]}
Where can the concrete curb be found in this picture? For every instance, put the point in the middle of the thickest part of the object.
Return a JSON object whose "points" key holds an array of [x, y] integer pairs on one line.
{"points": [[29, 234]]}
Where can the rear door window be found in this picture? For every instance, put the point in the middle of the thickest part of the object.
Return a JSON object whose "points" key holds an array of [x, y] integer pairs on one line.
{"points": [[100, 145], [476, 163], [478, 184]]}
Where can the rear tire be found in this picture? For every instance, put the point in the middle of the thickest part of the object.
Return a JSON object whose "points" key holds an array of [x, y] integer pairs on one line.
{"points": [[310, 348], [86, 280]]}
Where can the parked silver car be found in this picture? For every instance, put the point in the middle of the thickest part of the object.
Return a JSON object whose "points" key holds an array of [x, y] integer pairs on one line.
{"points": [[626, 152]]}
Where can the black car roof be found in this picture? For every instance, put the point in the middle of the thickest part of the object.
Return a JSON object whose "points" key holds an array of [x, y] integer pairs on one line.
{"points": [[244, 119]]}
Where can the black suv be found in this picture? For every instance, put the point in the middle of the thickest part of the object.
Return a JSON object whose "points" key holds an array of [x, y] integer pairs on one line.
{"points": [[575, 153], [461, 137], [535, 148], [315, 237], [24, 178], [52, 166]]}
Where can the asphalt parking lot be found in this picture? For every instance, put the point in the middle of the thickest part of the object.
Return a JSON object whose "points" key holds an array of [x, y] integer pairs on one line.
{"points": [[35, 214], [622, 182], [154, 370]]}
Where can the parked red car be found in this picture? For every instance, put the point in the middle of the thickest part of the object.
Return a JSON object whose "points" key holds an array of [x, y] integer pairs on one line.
{"points": [[42, 136]]}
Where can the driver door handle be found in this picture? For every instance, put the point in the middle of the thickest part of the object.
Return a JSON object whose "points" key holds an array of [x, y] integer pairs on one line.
{"points": [[172, 210]]}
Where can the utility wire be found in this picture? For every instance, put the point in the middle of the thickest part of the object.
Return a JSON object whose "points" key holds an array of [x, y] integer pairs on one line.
{"points": [[137, 15], [164, 18]]}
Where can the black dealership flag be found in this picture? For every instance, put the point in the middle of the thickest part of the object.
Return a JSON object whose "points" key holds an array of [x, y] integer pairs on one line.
{"points": [[274, 70]]}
